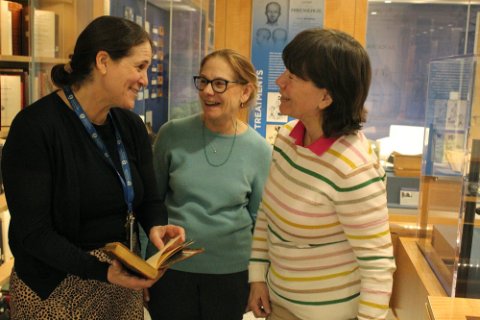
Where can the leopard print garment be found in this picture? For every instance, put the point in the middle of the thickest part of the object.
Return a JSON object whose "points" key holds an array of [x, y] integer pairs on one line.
{"points": [[75, 298]]}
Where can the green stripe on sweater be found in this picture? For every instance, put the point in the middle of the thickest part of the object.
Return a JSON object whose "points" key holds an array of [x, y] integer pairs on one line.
{"points": [[319, 176]]}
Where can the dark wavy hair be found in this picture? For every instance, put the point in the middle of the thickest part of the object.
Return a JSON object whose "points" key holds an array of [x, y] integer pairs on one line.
{"points": [[115, 35], [335, 61]]}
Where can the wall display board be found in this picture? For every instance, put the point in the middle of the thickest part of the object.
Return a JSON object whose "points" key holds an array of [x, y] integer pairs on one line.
{"points": [[152, 102], [274, 24]]}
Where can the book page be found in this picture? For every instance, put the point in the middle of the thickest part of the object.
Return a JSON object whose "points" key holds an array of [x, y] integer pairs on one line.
{"points": [[155, 260], [180, 256]]}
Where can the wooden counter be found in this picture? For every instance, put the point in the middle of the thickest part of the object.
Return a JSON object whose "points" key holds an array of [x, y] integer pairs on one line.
{"points": [[446, 308], [413, 282]]}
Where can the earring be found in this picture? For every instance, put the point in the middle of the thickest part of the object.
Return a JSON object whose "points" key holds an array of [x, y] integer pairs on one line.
{"points": [[242, 105]]}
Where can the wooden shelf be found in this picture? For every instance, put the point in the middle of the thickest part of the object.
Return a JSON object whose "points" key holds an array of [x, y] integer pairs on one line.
{"points": [[10, 58], [446, 308], [414, 281], [28, 59], [50, 60]]}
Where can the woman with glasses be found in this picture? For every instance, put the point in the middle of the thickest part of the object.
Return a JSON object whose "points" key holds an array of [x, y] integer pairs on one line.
{"points": [[210, 169]]}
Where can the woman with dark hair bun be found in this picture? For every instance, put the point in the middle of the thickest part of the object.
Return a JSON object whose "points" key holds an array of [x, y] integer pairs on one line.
{"points": [[78, 173], [322, 247]]}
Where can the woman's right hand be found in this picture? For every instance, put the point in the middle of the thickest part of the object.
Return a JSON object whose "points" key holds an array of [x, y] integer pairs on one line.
{"points": [[121, 277], [159, 235], [259, 299]]}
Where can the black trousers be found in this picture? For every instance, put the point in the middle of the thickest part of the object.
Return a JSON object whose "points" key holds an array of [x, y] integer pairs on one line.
{"points": [[198, 296]]}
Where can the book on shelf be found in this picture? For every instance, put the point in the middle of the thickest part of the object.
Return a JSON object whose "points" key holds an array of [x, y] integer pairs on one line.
{"points": [[171, 253], [23, 81], [11, 97], [44, 35], [10, 27], [16, 11], [5, 29], [42, 85], [25, 36]]}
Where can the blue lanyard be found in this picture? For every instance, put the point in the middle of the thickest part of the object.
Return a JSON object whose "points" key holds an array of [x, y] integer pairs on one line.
{"points": [[126, 180]]}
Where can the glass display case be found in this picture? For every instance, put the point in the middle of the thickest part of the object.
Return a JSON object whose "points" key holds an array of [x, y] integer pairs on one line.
{"points": [[182, 34], [37, 34], [450, 221]]}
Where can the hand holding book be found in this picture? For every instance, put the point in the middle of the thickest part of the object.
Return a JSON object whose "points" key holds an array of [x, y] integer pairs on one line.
{"points": [[171, 253], [161, 234]]}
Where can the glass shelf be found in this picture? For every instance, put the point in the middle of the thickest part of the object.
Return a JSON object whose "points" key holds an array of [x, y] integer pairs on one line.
{"points": [[452, 156]]}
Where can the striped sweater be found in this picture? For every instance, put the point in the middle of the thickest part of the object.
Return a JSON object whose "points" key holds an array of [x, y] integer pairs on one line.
{"points": [[322, 240]]}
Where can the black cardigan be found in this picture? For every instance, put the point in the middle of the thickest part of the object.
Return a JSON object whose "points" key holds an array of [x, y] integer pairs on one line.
{"points": [[63, 196]]}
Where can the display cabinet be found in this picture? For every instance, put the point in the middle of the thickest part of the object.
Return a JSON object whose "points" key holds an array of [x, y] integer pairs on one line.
{"points": [[34, 35], [37, 34], [450, 222], [182, 33]]}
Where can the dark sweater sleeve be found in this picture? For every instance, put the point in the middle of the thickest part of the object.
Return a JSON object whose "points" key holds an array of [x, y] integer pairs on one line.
{"points": [[29, 165]]}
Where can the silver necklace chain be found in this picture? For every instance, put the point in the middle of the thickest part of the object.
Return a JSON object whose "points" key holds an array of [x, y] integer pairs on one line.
{"points": [[214, 149]]}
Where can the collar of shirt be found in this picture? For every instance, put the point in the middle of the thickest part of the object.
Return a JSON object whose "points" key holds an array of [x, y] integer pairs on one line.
{"points": [[318, 147]]}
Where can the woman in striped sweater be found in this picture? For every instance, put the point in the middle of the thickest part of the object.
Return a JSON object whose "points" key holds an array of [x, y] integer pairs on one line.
{"points": [[322, 247]]}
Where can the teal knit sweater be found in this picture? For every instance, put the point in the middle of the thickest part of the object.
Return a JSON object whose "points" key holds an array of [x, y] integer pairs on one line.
{"points": [[215, 205]]}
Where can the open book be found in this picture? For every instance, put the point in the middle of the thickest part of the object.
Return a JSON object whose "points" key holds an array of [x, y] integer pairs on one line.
{"points": [[170, 254]]}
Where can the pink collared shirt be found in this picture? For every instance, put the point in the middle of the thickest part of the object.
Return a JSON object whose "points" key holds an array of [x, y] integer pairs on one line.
{"points": [[318, 147]]}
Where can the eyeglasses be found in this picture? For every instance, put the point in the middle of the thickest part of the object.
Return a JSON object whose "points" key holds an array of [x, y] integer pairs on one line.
{"points": [[218, 85]]}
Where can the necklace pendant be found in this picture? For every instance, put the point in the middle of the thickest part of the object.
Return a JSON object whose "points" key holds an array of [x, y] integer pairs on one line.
{"points": [[214, 150]]}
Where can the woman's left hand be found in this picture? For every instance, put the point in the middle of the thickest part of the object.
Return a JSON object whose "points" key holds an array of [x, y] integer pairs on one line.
{"points": [[159, 235], [118, 275]]}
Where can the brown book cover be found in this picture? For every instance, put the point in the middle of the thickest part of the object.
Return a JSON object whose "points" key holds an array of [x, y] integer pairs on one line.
{"points": [[170, 254], [16, 10], [25, 25]]}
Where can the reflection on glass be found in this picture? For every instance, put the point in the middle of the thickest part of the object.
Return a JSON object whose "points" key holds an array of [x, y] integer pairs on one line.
{"points": [[450, 176], [182, 34], [401, 39]]}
